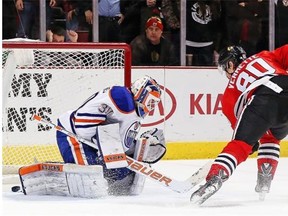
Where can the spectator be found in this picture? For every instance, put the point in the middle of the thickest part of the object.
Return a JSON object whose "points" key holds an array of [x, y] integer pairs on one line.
{"points": [[57, 16], [244, 24], [171, 12], [149, 8], [151, 49], [9, 19], [66, 17], [74, 21], [202, 31], [130, 24], [281, 27], [58, 34], [263, 42], [253, 13], [109, 19], [29, 17], [68, 7]]}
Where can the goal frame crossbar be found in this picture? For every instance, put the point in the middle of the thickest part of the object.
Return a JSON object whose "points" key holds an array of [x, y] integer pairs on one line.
{"points": [[47, 45]]}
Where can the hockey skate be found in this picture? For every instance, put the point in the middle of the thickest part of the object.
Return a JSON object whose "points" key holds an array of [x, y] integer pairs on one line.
{"points": [[264, 180], [208, 189]]}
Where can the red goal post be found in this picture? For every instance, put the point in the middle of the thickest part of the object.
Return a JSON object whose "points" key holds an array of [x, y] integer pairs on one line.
{"points": [[48, 79]]}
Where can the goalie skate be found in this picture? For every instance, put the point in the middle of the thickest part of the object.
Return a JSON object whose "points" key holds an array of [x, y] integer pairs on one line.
{"points": [[264, 179], [208, 189]]}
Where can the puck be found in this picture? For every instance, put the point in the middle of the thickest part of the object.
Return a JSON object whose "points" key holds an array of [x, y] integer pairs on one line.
{"points": [[15, 188]]}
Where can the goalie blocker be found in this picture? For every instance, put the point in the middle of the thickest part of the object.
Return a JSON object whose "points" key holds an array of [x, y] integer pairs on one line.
{"points": [[63, 180]]}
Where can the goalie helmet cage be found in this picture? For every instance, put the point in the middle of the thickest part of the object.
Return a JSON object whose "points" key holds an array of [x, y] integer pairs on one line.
{"points": [[48, 79]]}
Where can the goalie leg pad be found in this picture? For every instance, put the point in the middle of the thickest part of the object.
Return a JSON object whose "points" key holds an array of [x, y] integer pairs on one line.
{"points": [[122, 186], [150, 148], [63, 180], [141, 151], [124, 181], [137, 185]]}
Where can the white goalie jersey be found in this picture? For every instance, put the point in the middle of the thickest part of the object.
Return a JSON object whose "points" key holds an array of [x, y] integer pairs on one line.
{"points": [[112, 105]]}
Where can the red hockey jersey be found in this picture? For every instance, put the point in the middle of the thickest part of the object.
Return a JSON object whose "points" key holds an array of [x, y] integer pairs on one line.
{"points": [[254, 71]]}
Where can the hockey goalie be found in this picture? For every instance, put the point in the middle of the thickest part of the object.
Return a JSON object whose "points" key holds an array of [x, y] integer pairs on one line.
{"points": [[111, 119]]}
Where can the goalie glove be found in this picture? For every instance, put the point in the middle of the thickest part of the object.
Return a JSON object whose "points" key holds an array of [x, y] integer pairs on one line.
{"points": [[156, 145]]}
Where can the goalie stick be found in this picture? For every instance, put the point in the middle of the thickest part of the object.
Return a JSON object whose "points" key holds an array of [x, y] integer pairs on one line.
{"points": [[145, 169]]}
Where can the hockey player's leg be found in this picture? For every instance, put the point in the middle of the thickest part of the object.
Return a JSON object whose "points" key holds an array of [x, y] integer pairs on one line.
{"points": [[209, 188], [123, 181], [63, 180], [267, 162], [84, 181], [224, 165], [75, 152], [119, 181], [264, 179], [150, 148]]}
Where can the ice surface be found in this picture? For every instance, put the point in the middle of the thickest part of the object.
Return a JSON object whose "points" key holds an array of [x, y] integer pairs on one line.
{"points": [[236, 197]]}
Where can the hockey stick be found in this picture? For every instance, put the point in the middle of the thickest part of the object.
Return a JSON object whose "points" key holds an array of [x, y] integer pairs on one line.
{"points": [[145, 169]]}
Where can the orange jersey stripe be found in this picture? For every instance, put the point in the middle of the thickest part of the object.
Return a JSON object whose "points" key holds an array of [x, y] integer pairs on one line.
{"points": [[76, 148]]}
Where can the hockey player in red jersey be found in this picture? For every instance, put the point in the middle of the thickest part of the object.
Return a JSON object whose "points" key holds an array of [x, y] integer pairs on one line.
{"points": [[255, 102]]}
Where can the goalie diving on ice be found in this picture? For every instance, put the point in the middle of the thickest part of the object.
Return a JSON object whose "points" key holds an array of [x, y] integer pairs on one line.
{"points": [[102, 152], [111, 120]]}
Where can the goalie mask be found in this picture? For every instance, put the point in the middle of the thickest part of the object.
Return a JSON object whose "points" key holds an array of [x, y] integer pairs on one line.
{"points": [[147, 95], [236, 54]]}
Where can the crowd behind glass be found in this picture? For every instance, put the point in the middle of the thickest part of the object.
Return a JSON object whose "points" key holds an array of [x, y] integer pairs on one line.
{"points": [[197, 29]]}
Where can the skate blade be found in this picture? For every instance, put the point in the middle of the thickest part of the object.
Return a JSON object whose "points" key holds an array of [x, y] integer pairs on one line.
{"points": [[262, 196], [197, 200], [200, 197]]}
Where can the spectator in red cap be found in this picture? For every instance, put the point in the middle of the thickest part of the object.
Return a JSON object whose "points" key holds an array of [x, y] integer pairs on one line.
{"points": [[154, 21], [151, 48]]}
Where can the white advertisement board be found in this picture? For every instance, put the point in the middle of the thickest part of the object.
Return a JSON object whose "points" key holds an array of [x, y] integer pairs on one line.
{"points": [[190, 110]]}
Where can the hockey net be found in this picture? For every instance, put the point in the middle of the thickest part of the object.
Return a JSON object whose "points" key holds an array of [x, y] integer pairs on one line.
{"points": [[48, 79]]}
